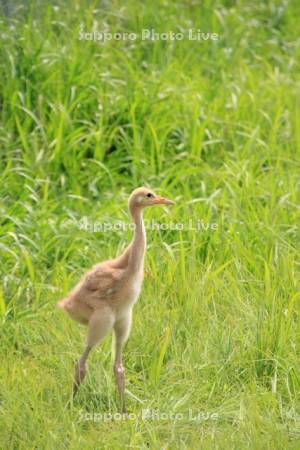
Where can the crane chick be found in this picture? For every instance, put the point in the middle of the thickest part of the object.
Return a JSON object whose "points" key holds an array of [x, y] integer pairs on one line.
{"points": [[104, 298]]}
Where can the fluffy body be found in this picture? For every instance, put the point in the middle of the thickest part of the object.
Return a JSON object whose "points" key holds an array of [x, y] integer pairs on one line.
{"points": [[110, 284]]}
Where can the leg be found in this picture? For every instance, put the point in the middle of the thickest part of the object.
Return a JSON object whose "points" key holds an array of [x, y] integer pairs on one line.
{"points": [[122, 330], [80, 370], [99, 325]]}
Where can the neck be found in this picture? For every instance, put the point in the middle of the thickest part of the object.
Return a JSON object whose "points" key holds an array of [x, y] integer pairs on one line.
{"points": [[138, 244]]}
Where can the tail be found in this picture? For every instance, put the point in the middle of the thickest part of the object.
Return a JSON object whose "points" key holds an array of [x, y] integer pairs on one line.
{"points": [[62, 303]]}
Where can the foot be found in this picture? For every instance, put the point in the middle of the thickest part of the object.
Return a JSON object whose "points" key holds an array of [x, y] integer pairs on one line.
{"points": [[120, 379], [80, 372]]}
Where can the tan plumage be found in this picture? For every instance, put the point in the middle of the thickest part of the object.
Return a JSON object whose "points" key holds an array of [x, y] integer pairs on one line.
{"points": [[105, 296]]}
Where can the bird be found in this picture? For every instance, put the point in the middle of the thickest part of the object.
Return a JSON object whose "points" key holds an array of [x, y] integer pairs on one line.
{"points": [[104, 298]]}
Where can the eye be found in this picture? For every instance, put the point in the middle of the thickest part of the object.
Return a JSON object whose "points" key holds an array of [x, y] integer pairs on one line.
{"points": [[149, 195]]}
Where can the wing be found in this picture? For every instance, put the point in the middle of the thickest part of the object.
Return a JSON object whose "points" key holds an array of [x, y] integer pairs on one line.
{"points": [[103, 279]]}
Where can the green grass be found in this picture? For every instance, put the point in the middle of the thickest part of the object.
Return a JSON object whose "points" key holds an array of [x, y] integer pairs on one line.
{"points": [[214, 125]]}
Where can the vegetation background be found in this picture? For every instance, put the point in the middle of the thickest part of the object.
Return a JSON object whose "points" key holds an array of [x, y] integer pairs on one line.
{"points": [[214, 125]]}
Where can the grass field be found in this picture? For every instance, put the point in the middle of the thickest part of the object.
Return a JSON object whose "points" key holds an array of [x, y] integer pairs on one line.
{"points": [[213, 357]]}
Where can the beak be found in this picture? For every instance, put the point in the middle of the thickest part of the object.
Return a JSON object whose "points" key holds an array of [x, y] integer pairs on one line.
{"points": [[162, 201]]}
